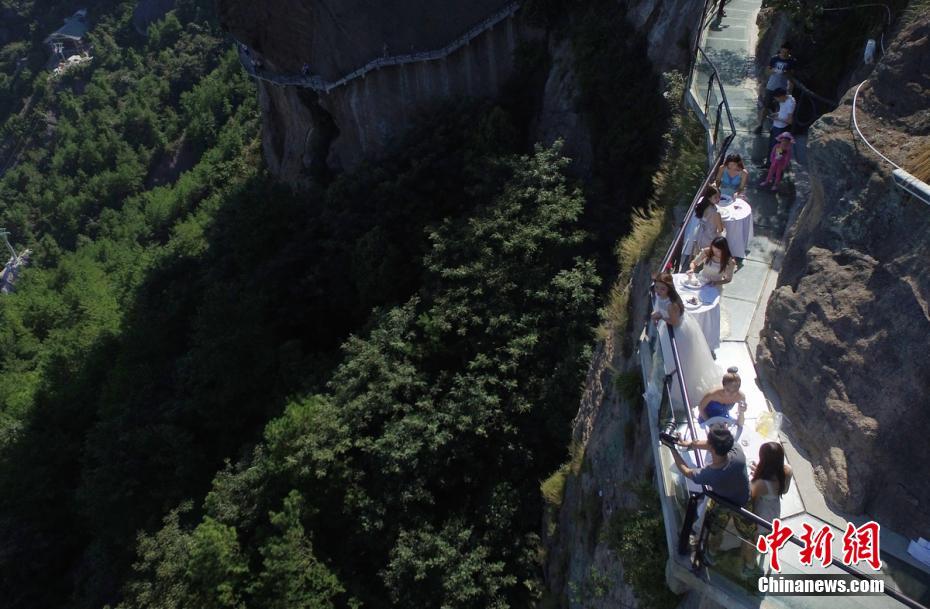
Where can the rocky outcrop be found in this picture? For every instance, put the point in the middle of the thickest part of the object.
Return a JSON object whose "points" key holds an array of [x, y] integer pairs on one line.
{"points": [[670, 26], [845, 342], [560, 116], [304, 129], [338, 129]]}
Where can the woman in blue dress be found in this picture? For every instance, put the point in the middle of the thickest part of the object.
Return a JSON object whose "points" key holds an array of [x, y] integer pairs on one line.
{"points": [[720, 401], [732, 177]]}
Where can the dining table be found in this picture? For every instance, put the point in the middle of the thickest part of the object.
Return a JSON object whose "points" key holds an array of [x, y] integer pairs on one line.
{"points": [[702, 302], [737, 220]]}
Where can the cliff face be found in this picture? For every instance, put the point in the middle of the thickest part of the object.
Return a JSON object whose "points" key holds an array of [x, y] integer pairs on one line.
{"points": [[670, 28], [304, 130], [845, 342]]}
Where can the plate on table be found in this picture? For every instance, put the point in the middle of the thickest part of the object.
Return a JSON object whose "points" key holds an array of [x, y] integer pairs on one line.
{"points": [[692, 302], [696, 284]]}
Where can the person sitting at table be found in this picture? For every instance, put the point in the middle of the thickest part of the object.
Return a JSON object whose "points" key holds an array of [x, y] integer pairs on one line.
{"points": [[717, 403], [771, 478], [716, 262], [732, 176], [697, 360], [705, 225]]}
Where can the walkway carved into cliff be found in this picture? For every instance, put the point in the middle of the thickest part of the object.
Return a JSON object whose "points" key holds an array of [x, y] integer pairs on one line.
{"points": [[317, 83], [723, 92]]}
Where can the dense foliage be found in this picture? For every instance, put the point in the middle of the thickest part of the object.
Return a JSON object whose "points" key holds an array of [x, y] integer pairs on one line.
{"points": [[475, 375], [217, 392]]}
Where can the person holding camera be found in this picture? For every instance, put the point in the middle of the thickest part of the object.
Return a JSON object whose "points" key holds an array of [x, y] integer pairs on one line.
{"points": [[726, 474]]}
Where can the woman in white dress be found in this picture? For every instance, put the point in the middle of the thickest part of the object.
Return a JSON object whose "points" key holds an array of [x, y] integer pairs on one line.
{"points": [[699, 372], [718, 264], [771, 478], [704, 226]]}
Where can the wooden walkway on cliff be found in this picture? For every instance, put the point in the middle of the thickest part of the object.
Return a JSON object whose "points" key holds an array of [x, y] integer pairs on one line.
{"points": [[723, 92], [253, 62]]}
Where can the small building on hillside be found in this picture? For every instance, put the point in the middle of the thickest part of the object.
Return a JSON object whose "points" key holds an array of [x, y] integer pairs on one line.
{"points": [[69, 39]]}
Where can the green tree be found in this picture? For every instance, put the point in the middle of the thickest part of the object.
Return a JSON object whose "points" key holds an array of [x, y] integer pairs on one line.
{"points": [[446, 568], [291, 576], [216, 571]]}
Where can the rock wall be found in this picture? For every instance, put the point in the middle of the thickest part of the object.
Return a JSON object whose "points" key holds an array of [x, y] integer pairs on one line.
{"points": [[559, 115], [304, 130], [670, 26], [337, 36], [846, 336], [581, 569]]}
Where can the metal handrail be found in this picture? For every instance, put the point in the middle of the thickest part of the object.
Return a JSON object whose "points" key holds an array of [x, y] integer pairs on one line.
{"points": [[684, 391], [800, 85], [745, 514], [669, 259], [319, 84], [715, 75], [697, 42], [724, 105]]}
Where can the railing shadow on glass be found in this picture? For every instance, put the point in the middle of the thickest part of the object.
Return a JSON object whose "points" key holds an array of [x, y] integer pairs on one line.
{"points": [[707, 97]]}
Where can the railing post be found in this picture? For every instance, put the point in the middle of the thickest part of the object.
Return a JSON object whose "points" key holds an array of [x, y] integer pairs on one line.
{"points": [[710, 87], [684, 536]]}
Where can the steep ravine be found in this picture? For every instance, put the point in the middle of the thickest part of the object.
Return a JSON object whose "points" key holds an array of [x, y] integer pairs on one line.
{"points": [[845, 338], [304, 131]]}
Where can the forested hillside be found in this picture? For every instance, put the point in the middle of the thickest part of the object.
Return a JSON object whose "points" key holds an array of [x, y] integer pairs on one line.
{"points": [[216, 391]]}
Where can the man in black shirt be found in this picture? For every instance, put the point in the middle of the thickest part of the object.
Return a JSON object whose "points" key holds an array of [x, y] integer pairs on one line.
{"points": [[780, 69]]}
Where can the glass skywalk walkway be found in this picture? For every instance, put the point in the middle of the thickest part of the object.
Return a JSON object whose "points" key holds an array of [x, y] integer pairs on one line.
{"points": [[722, 93]]}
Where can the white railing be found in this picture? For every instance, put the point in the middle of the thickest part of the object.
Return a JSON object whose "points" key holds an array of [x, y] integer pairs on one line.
{"points": [[320, 85]]}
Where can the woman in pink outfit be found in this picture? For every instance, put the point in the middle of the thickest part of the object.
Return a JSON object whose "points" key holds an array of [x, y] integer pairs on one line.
{"points": [[779, 159]]}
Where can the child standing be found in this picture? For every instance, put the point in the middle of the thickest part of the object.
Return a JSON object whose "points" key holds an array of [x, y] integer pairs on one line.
{"points": [[779, 159]]}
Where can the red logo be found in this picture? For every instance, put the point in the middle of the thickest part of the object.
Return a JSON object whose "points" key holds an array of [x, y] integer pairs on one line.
{"points": [[862, 544], [859, 544], [774, 541], [819, 545]]}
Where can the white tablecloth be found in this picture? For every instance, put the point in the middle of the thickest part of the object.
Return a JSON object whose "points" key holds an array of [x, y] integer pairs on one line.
{"points": [[707, 310], [737, 219]]}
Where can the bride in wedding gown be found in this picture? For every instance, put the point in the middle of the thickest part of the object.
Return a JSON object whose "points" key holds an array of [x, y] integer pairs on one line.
{"points": [[700, 373]]}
